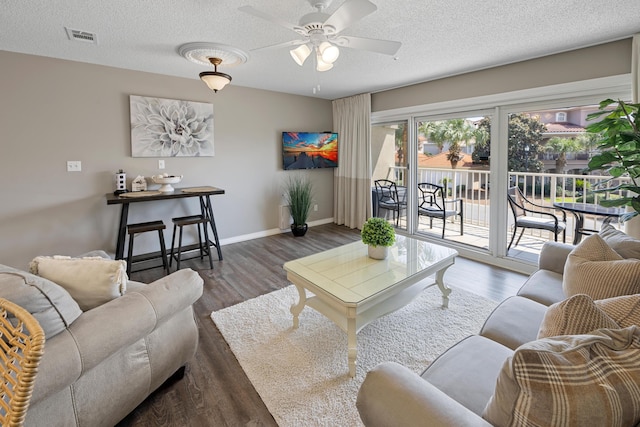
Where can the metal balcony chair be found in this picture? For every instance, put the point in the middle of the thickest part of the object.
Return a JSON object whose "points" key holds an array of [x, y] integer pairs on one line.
{"points": [[22, 347], [390, 199], [434, 205], [528, 214]]}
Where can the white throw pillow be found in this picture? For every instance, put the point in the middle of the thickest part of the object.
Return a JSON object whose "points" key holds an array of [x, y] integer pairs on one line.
{"points": [[595, 269], [622, 243], [91, 281]]}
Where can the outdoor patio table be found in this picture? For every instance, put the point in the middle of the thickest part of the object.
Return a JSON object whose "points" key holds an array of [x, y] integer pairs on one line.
{"points": [[579, 210]]}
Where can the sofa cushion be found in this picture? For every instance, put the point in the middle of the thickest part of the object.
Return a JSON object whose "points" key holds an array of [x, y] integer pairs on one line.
{"points": [[593, 268], [571, 380], [625, 245], [50, 304], [91, 281], [467, 371], [514, 322], [575, 315], [543, 286]]}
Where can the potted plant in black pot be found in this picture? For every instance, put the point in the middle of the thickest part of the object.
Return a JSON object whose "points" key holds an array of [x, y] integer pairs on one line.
{"points": [[379, 235], [619, 155], [299, 196]]}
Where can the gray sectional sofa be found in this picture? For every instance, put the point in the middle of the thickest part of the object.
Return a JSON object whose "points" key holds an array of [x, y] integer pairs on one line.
{"points": [[460, 386], [99, 364]]}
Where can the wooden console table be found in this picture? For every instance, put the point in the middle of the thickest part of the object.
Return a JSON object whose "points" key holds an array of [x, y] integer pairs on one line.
{"points": [[203, 193]]}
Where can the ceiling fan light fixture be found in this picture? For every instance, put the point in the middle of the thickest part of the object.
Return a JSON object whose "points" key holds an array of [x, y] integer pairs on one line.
{"points": [[213, 79], [321, 65], [300, 54], [328, 52]]}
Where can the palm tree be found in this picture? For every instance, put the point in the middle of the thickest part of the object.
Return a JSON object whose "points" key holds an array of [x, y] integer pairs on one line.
{"points": [[435, 132], [588, 141], [562, 146], [458, 131]]}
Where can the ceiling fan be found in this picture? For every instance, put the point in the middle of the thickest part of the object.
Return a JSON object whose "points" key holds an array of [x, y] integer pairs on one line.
{"points": [[321, 32]]}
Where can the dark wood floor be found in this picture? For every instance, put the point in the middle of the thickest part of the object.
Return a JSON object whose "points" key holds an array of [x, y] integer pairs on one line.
{"points": [[215, 391]]}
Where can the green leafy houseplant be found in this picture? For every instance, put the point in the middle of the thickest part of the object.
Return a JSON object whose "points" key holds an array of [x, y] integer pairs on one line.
{"points": [[619, 155], [378, 232], [299, 196]]}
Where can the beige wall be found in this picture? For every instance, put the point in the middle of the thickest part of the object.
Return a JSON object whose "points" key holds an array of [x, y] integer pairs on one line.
{"points": [[52, 111], [604, 60]]}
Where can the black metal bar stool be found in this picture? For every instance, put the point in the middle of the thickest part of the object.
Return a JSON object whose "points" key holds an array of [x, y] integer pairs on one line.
{"points": [[143, 227], [203, 245]]}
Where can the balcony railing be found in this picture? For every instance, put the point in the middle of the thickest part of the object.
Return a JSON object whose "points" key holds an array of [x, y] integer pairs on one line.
{"points": [[474, 187]]}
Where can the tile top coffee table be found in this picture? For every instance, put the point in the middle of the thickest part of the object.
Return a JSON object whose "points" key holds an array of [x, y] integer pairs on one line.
{"points": [[353, 290]]}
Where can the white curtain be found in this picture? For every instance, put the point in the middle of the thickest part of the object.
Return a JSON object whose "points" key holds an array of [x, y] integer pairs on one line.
{"points": [[635, 65], [632, 227], [352, 178]]}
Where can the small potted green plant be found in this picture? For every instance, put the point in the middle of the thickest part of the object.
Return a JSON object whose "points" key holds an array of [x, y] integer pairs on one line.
{"points": [[379, 235], [299, 196]]}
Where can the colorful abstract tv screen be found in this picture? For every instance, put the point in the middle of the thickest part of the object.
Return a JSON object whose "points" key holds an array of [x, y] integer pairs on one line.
{"points": [[309, 150]]}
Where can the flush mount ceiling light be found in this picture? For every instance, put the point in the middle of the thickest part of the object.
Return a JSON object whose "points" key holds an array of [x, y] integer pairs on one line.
{"points": [[213, 54]]}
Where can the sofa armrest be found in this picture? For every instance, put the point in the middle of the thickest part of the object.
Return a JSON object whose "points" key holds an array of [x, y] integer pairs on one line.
{"points": [[553, 256], [172, 293], [102, 331], [392, 395]]}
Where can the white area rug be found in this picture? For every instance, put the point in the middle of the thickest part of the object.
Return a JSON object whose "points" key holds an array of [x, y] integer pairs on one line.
{"points": [[302, 374]]}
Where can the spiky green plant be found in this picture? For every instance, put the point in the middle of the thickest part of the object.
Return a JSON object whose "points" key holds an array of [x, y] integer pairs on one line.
{"points": [[299, 195], [378, 232]]}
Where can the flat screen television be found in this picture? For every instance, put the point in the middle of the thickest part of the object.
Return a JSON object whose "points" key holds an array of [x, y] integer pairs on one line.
{"points": [[309, 150]]}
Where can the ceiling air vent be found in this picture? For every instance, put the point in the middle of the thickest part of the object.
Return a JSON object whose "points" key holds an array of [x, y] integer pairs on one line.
{"points": [[81, 36]]}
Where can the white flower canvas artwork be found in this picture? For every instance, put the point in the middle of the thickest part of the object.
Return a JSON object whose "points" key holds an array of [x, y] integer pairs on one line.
{"points": [[170, 128]]}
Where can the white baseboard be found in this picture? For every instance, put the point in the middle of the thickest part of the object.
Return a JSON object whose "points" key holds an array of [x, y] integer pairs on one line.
{"points": [[266, 233]]}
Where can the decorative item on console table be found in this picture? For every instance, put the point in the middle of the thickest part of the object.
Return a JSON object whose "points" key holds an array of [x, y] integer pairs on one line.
{"points": [[166, 180], [379, 235], [139, 184], [299, 195], [121, 182], [618, 144]]}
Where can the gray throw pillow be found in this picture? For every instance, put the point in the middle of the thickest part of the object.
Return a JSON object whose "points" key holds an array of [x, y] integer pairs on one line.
{"points": [[50, 304]]}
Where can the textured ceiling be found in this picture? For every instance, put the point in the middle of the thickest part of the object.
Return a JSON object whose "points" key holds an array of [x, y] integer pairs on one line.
{"points": [[439, 38]]}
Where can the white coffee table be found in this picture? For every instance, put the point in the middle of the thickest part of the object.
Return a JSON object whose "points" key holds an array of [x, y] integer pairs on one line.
{"points": [[353, 290]]}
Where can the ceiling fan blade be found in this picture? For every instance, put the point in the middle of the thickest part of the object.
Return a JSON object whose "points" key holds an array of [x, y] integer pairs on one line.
{"points": [[348, 13], [281, 45], [255, 12], [386, 47]]}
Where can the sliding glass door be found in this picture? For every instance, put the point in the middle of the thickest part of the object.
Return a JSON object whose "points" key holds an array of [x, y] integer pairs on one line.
{"points": [[389, 180], [476, 152], [453, 178], [549, 151]]}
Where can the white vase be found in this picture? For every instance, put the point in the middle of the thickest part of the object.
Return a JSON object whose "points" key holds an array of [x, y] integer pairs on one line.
{"points": [[378, 252]]}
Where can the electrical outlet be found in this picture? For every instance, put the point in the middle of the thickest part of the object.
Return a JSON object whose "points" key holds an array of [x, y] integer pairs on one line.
{"points": [[74, 166], [315, 208], [160, 164]]}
